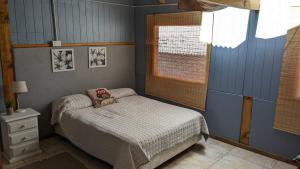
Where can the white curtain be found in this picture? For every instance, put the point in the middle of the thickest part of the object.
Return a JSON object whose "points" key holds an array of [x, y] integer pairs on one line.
{"points": [[230, 27], [207, 27], [276, 17], [225, 28]]}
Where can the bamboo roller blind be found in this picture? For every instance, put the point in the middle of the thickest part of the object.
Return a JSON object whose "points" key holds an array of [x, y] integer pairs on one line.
{"points": [[288, 101], [189, 93]]}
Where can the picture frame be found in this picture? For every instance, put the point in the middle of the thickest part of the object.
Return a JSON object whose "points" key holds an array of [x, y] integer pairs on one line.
{"points": [[62, 60], [97, 57]]}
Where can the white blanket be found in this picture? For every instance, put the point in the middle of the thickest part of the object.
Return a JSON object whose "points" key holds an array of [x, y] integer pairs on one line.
{"points": [[135, 129]]}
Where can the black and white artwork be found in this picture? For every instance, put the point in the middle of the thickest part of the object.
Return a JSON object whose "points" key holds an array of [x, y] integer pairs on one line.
{"points": [[97, 57], [62, 60]]}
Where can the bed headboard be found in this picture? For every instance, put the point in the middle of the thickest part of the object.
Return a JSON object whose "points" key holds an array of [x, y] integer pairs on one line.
{"points": [[34, 66]]}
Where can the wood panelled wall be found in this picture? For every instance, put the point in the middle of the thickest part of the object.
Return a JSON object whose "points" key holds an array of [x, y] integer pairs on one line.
{"points": [[263, 64], [252, 69], [78, 21]]}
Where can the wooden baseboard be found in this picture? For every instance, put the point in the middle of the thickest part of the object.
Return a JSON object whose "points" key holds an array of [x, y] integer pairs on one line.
{"points": [[255, 150], [75, 44]]}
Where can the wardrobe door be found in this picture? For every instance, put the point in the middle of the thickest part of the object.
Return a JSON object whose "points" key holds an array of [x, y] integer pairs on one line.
{"points": [[225, 89], [224, 113]]}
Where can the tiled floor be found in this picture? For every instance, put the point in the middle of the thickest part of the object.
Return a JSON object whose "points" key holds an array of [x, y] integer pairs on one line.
{"points": [[210, 155]]}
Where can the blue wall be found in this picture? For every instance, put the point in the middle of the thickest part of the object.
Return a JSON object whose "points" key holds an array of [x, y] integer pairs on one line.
{"points": [[78, 21], [251, 69]]}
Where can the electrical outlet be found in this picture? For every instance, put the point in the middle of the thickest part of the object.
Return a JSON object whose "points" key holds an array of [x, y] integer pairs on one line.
{"points": [[56, 43]]}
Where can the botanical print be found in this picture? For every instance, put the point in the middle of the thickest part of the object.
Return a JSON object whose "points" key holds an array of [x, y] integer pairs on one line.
{"points": [[62, 60], [97, 57]]}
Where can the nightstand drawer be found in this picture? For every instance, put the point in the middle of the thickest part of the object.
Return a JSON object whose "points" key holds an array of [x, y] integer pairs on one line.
{"points": [[17, 138], [22, 125], [24, 148]]}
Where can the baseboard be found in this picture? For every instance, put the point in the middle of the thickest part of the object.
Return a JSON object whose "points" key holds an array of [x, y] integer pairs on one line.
{"points": [[255, 150]]}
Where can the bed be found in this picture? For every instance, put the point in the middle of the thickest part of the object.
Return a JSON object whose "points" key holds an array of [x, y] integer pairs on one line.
{"points": [[135, 133]]}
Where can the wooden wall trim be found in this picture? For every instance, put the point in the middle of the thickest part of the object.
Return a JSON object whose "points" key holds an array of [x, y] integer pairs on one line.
{"points": [[6, 53], [255, 150], [76, 44], [246, 120]]}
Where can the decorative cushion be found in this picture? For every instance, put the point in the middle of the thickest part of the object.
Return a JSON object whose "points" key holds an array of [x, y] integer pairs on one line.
{"points": [[122, 92], [101, 97], [72, 102]]}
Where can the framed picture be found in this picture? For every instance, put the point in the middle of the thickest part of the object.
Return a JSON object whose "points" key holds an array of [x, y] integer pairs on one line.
{"points": [[97, 57], [62, 60]]}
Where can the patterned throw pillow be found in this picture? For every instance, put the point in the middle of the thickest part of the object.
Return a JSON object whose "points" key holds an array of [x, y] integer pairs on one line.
{"points": [[101, 97]]}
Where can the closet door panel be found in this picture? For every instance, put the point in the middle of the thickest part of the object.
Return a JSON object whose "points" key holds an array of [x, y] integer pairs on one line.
{"points": [[224, 114], [264, 137]]}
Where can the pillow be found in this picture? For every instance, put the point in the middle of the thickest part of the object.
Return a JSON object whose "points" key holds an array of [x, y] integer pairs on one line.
{"points": [[122, 92], [72, 102], [101, 97]]}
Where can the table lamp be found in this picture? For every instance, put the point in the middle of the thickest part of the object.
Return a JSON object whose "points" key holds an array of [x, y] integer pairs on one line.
{"points": [[19, 87]]}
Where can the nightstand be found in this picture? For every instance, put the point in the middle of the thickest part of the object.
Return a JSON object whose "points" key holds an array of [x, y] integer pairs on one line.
{"points": [[20, 135]]}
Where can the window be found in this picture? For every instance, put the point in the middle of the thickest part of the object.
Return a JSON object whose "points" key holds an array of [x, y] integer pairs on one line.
{"points": [[177, 58], [179, 53]]}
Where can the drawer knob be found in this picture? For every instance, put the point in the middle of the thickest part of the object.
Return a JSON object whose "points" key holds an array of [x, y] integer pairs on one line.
{"points": [[24, 138], [23, 126]]}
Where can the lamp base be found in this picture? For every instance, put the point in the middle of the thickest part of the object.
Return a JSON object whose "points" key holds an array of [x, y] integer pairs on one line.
{"points": [[21, 110]]}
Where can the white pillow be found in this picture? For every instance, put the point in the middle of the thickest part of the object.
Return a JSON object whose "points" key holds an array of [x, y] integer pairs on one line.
{"points": [[72, 102], [122, 92]]}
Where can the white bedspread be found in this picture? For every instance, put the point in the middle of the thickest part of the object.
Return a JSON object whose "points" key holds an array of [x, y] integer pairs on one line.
{"points": [[145, 127]]}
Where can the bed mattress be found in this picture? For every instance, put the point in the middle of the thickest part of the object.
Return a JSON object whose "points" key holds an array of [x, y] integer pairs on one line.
{"points": [[131, 132]]}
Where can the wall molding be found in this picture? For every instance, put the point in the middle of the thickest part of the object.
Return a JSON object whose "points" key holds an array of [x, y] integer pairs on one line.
{"points": [[75, 44]]}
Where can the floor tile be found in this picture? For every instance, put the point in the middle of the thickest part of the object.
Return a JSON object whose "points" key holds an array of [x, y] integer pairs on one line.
{"points": [[197, 157], [233, 162], [282, 165], [52, 146], [14, 165], [36, 158], [210, 154], [253, 157]]}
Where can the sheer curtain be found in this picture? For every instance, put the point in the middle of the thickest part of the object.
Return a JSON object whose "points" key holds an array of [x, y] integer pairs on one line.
{"points": [[230, 26], [276, 17]]}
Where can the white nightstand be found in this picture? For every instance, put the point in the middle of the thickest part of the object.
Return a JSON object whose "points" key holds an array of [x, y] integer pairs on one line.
{"points": [[20, 135]]}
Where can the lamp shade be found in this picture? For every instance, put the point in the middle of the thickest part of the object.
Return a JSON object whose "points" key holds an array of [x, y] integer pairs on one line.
{"points": [[20, 87]]}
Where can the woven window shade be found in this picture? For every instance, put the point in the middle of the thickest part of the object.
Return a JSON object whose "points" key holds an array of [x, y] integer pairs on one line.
{"points": [[175, 72], [288, 101], [180, 54]]}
